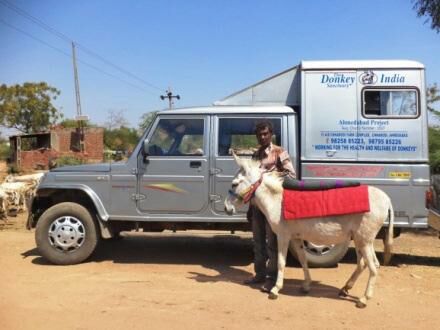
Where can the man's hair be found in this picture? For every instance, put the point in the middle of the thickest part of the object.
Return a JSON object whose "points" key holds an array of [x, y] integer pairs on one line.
{"points": [[262, 125]]}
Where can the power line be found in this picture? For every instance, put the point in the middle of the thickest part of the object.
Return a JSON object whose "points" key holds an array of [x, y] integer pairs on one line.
{"points": [[70, 56], [35, 20], [70, 40], [91, 53]]}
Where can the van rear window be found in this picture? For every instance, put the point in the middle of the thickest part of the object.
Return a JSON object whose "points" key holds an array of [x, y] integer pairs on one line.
{"points": [[390, 103]]}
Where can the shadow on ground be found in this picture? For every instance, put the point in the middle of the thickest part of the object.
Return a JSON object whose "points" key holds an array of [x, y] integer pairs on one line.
{"points": [[211, 251], [397, 259], [186, 250], [224, 254]]}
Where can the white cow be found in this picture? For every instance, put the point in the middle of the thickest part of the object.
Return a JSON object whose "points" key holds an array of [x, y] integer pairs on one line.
{"points": [[362, 228], [20, 190], [15, 192], [31, 179], [3, 204]]}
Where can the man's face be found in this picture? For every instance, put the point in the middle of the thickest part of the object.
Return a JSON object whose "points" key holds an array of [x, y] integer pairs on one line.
{"points": [[264, 137]]}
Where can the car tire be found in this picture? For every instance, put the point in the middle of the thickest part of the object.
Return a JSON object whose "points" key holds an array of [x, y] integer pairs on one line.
{"points": [[66, 234], [321, 256]]}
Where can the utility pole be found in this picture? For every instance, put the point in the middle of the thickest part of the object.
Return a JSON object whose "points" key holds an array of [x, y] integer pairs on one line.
{"points": [[169, 95], [79, 117]]}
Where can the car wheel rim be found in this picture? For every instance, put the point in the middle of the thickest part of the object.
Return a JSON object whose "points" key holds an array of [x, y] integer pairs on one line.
{"points": [[67, 234], [317, 250]]}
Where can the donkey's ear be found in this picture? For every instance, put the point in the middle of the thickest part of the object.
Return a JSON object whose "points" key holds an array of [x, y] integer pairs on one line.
{"points": [[242, 163], [237, 159]]}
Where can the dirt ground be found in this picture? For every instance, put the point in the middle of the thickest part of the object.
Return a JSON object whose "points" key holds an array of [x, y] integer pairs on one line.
{"points": [[194, 280]]}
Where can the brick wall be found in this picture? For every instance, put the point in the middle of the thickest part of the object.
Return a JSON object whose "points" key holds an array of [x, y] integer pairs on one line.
{"points": [[36, 159], [94, 143], [62, 144]]}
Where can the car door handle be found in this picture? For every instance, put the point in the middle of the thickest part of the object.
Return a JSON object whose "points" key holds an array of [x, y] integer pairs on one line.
{"points": [[195, 164]]}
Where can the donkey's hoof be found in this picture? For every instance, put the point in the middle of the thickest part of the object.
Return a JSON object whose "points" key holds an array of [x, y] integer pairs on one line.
{"points": [[273, 296], [343, 293], [361, 304]]}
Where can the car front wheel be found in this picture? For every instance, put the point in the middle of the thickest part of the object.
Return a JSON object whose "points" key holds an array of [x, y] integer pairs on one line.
{"points": [[66, 234]]}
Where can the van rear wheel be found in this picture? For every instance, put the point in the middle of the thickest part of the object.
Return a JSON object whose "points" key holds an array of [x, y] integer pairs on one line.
{"points": [[320, 256], [66, 234]]}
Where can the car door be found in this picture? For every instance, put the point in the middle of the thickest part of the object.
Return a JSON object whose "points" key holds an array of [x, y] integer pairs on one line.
{"points": [[174, 176]]}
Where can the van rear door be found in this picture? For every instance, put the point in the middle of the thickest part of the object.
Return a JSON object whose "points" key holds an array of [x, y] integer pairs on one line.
{"points": [[329, 117]]}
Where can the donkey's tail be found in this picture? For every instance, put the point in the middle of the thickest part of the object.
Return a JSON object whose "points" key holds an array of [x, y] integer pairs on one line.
{"points": [[387, 254]]}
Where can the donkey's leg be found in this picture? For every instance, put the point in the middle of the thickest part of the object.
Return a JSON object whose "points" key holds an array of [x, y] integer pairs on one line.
{"points": [[298, 245], [367, 253], [283, 244], [376, 261], [353, 278]]}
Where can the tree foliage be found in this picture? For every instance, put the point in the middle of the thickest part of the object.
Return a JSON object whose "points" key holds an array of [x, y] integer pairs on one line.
{"points": [[72, 123], [432, 96], [434, 149], [117, 135], [4, 148], [28, 107], [123, 138], [146, 120], [431, 9]]}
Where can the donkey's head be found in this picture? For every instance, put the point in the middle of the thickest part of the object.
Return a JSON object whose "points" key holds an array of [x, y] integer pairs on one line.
{"points": [[242, 184]]}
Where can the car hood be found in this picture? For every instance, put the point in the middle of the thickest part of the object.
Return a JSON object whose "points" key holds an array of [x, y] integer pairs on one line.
{"points": [[103, 167]]}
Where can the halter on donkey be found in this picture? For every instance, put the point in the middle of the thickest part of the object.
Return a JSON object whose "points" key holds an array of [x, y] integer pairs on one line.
{"points": [[362, 228]]}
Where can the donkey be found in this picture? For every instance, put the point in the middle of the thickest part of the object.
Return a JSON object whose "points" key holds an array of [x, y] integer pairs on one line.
{"points": [[267, 192]]}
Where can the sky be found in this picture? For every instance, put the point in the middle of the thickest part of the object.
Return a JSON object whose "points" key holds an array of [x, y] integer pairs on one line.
{"points": [[203, 50]]}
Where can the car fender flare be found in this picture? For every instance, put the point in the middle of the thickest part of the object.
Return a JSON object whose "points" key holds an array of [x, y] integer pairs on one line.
{"points": [[102, 212]]}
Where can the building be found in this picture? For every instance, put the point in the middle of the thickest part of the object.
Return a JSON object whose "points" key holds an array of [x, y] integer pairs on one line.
{"points": [[38, 150]]}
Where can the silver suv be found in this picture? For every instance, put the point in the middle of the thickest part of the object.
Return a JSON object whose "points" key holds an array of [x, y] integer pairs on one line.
{"points": [[176, 178]]}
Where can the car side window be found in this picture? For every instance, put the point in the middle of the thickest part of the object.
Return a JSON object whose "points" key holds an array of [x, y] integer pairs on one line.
{"points": [[238, 134], [177, 137], [390, 103]]}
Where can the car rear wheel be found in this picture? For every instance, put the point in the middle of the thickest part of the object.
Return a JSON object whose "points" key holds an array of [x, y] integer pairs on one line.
{"points": [[323, 255], [66, 234]]}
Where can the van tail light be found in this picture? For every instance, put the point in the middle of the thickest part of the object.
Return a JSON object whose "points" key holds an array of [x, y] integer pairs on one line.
{"points": [[429, 198]]}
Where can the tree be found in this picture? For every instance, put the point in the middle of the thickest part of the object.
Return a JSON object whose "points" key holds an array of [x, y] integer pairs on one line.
{"points": [[28, 107], [4, 148], [430, 8], [115, 119], [123, 138], [434, 149], [146, 120], [432, 96]]}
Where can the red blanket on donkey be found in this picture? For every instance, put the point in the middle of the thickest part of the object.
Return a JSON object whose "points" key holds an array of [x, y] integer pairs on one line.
{"points": [[322, 203]]}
